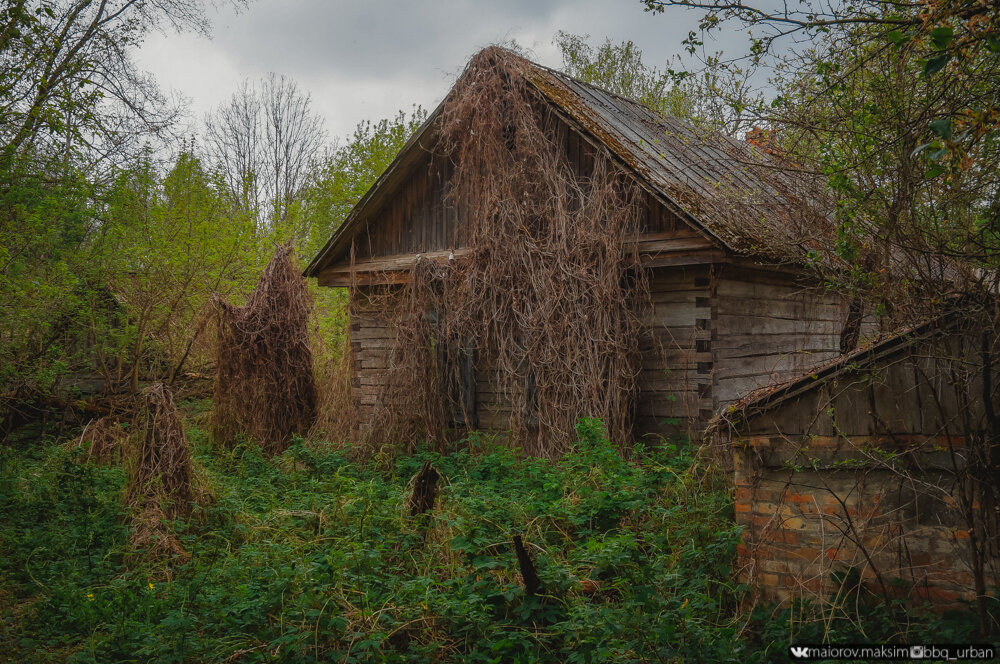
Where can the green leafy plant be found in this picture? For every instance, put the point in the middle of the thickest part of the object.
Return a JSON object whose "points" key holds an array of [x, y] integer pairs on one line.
{"points": [[310, 556]]}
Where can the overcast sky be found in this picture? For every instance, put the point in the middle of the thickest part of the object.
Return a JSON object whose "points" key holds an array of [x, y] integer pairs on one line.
{"points": [[366, 60]]}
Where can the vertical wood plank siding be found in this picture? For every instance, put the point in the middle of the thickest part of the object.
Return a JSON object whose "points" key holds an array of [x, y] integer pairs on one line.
{"points": [[416, 219]]}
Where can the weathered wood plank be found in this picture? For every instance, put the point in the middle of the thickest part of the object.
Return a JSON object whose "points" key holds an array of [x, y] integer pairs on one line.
{"points": [[745, 270], [743, 325], [672, 242], [672, 358], [773, 343], [675, 279], [346, 280], [682, 314], [784, 293], [676, 336], [797, 309], [702, 257], [385, 343], [381, 267], [687, 297], [373, 331], [770, 364]]}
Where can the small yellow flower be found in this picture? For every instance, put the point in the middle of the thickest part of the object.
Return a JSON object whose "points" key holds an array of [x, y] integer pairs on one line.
{"points": [[686, 600], [90, 596], [150, 585]]}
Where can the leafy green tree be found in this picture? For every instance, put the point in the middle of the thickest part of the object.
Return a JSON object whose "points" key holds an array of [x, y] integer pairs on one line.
{"points": [[179, 241], [955, 39], [866, 115], [891, 104], [45, 278], [73, 109], [619, 68]]}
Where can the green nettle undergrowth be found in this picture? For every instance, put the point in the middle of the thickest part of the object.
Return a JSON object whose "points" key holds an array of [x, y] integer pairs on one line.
{"points": [[310, 556]]}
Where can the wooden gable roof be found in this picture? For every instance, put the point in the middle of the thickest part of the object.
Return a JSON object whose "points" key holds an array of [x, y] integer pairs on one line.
{"points": [[743, 201]]}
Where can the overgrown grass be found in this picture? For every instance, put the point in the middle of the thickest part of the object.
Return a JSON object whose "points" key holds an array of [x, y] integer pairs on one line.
{"points": [[312, 557]]}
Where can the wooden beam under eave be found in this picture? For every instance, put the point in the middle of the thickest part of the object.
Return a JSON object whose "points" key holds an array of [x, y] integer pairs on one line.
{"points": [[654, 250], [697, 257], [341, 280], [384, 270]]}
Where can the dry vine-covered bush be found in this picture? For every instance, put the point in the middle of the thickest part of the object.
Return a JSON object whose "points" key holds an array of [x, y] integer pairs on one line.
{"points": [[160, 482], [264, 386], [549, 299], [334, 406], [106, 438]]}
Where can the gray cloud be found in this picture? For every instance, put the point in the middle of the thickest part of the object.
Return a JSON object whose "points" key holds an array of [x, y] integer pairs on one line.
{"points": [[366, 60], [370, 39]]}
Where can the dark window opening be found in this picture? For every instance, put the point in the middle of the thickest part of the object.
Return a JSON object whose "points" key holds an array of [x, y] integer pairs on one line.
{"points": [[509, 133], [456, 371]]}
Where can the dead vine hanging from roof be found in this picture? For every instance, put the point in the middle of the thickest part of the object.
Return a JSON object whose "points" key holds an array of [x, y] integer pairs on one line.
{"points": [[551, 295]]}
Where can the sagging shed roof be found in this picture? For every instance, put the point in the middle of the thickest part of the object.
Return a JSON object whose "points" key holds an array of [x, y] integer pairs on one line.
{"points": [[770, 397], [744, 199]]}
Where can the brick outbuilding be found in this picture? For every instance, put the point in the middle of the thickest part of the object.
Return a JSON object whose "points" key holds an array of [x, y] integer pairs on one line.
{"points": [[879, 466]]}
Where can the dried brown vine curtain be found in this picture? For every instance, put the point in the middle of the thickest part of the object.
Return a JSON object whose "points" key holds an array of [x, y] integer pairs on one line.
{"points": [[552, 291]]}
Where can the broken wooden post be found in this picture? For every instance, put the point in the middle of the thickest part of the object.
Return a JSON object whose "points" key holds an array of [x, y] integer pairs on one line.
{"points": [[424, 490], [532, 584]]}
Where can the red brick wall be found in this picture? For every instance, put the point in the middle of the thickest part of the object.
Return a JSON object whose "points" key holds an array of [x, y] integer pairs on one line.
{"points": [[812, 506]]}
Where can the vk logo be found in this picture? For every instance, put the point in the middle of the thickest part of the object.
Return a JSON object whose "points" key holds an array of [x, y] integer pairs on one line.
{"points": [[799, 651]]}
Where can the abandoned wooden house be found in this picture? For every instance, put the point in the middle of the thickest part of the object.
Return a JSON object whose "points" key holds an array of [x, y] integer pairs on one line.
{"points": [[722, 237], [884, 462]]}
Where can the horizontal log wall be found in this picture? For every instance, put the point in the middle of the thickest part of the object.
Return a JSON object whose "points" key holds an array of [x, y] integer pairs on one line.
{"points": [[675, 378], [767, 327], [372, 339], [675, 397], [492, 406], [710, 339]]}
